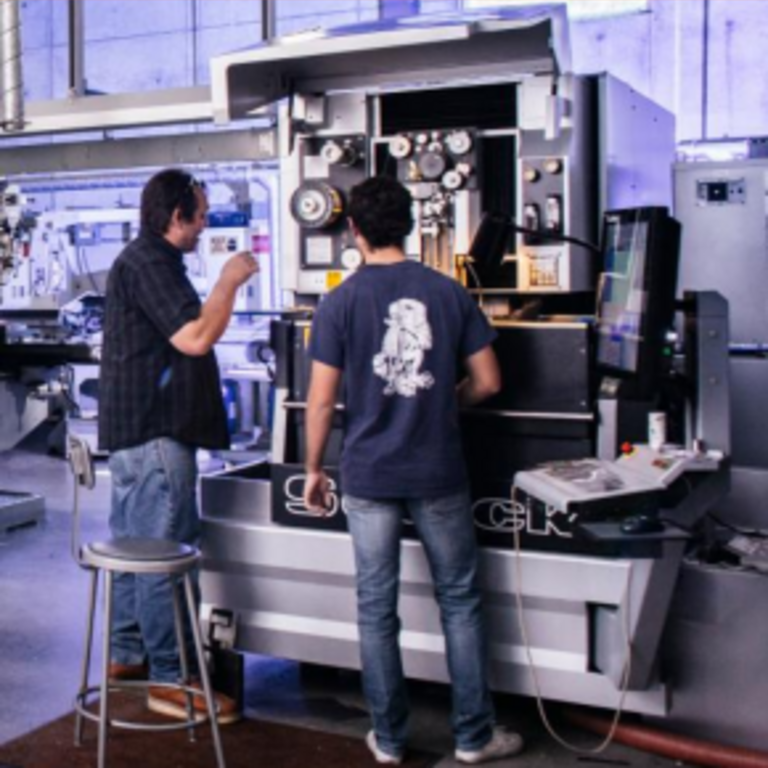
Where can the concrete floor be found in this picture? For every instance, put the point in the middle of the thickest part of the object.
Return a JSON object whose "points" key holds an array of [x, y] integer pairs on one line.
{"points": [[42, 614]]}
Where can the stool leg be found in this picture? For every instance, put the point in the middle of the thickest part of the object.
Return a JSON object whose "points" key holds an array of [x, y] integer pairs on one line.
{"points": [[183, 661], [86, 656], [107, 650], [204, 677]]}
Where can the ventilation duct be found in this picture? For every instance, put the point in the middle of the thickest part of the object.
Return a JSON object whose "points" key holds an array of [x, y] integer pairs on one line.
{"points": [[10, 74]]}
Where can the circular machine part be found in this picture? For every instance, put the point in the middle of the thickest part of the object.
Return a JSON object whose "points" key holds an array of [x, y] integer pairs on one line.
{"points": [[339, 154], [315, 205], [531, 174], [432, 165], [459, 142], [553, 165], [452, 180], [400, 147], [351, 258]]}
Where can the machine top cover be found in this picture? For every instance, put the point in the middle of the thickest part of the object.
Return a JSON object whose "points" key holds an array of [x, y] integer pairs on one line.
{"points": [[498, 44]]}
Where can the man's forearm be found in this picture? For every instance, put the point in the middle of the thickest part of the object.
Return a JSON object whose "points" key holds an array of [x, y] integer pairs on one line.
{"points": [[483, 379], [470, 394], [198, 336], [463, 393], [216, 312], [319, 422]]}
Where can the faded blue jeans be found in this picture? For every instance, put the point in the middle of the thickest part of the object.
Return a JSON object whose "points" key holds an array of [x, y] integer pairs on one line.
{"points": [[447, 533], [153, 496]]}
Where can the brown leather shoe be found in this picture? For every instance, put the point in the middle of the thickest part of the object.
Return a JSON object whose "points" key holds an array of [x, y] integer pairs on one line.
{"points": [[173, 703], [128, 671]]}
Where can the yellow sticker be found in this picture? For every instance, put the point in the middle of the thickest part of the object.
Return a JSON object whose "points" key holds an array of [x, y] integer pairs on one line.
{"points": [[333, 280]]}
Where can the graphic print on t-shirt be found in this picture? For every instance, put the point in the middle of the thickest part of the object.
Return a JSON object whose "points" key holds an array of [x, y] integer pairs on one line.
{"points": [[402, 354]]}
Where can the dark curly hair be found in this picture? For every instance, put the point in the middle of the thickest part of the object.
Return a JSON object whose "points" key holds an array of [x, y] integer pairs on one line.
{"points": [[164, 193], [380, 208]]}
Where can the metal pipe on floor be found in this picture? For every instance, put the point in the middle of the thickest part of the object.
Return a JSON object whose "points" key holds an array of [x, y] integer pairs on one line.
{"points": [[674, 746]]}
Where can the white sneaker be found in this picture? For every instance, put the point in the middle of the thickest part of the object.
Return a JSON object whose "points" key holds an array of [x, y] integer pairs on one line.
{"points": [[381, 757], [502, 744]]}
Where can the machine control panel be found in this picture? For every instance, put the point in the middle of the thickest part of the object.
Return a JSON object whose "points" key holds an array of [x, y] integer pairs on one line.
{"points": [[543, 262], [58, 255], [543, 187], [721, 192], [565, 484], [329, 166]]}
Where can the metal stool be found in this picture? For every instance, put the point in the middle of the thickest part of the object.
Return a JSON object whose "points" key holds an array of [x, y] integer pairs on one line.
{"points": [[138, 556]]}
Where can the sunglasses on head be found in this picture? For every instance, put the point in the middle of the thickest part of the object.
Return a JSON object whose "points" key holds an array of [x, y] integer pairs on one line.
{"points": [[194, 183], [190, 186]]}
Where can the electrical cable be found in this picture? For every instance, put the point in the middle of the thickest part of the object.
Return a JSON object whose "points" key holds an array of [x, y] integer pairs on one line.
{"points": [[555, 236], [67, 380], [532, 668], [468, 263], [754, 532]]}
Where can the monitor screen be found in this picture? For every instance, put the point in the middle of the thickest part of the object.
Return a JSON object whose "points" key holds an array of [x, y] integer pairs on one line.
{"points": [[623, 294]]}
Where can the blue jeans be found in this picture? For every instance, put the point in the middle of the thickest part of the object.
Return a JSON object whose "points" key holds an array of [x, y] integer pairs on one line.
{"points": [[153, 496], [447, 533]]}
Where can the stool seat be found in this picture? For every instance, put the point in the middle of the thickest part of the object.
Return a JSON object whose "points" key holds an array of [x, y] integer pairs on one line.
{"points": [[139, 555]]}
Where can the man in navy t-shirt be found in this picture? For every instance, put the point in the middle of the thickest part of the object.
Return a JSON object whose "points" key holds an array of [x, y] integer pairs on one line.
{"points": [[400, 333]]}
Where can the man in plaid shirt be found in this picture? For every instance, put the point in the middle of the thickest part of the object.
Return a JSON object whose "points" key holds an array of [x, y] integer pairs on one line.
{"points": [[160, 400]]}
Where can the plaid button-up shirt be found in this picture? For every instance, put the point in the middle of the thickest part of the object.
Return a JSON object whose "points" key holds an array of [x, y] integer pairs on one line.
{"points": [[148, 389]]}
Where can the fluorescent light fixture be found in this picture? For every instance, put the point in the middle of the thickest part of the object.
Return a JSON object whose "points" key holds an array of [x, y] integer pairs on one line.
{"points": [[577, 9], [300, 36], [717, 151]]}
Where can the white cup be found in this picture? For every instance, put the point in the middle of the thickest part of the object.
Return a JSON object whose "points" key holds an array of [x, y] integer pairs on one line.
{"points": [[657, 429]]}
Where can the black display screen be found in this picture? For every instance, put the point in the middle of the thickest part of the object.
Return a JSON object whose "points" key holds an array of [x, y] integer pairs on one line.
{"points": [[717, 192], [623, 295], [636, 297]]}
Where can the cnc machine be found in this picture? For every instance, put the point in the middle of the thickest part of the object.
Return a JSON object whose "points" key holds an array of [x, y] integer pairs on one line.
{"points": [[502, 148]]}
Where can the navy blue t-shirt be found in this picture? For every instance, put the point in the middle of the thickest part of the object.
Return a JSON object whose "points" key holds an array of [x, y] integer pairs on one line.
{"points": [[400, 332]]}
